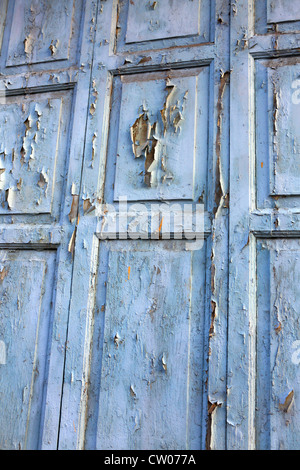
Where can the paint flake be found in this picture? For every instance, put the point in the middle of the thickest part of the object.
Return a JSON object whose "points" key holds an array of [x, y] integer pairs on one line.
{"points": [[147, 138]]}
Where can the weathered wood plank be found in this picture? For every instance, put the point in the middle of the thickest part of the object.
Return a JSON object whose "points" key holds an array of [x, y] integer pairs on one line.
{"points": [[242, 294]]}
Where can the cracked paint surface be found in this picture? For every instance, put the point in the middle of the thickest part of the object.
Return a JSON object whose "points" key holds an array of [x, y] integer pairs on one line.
{"points": [[162, 19], [29, 135], [284, 124], [162, 132], [278, 387], [41, 31], [27, 287], [148, 139], [149, 352]]}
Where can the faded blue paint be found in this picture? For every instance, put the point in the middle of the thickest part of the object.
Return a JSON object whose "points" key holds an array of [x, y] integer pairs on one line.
{"points": [[148, 21], [26, 291], [277, 348], [41, 151], [264, 228], [41, 31], [145, 344], [150, 393], [279, 11], [107, 401]]}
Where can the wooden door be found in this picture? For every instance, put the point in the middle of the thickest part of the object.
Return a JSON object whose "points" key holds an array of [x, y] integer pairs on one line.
{"points": [[146, 357], [263, 348], [123, 342], [46, 52]]}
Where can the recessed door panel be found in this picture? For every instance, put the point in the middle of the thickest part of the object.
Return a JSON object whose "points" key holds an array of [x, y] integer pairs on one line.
{"points": [[149, 20], [26, 287], [40, 31]]}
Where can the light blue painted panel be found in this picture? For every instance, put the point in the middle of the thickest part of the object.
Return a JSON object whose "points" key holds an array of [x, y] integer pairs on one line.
{"points": [[26, 289], [40, 31], [29, 134], [280, 11], [147, 26], [277, 134], [162, 19], [284, 128], [152, 317], [278, 346], [4, 5], [166, 113]]}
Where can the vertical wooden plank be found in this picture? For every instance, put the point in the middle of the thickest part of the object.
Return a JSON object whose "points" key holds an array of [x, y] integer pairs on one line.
{"points": [[262, 402], [217, 246], [241, 334], [73, 412], [51, 420], [263, 378], [47, 84]]}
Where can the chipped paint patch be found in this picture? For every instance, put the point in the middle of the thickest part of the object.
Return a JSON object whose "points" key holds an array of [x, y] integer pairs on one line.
{"points": [[219, 192], [74, 208], [211, 408], [149, 139], [3, 274], [42, 182], [286, 402], [95, 98], [54, 46], [71, 245], [88, 206], [28, 162]]}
